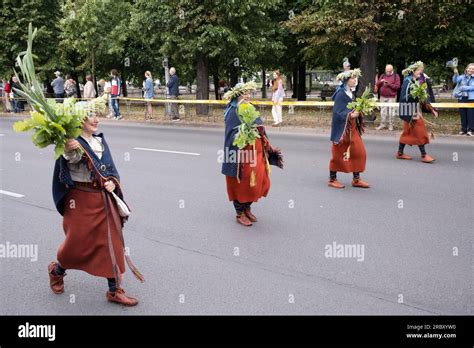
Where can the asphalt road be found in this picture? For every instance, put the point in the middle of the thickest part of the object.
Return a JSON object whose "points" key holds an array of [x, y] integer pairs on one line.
{"points": [[197, 260]]}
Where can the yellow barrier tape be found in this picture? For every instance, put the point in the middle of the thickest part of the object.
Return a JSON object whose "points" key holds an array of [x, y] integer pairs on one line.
{"points": [[270, 103], [285, 103]]}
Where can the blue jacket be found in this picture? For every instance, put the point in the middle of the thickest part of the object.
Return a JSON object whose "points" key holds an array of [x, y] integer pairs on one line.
{"points": [[149, 90], [173, 85], [232, 121], [407, 105], [340, 113], [466, 84], [62, 176]]}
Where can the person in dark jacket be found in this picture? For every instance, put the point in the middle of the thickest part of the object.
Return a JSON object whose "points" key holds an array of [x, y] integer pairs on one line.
{"points": [[247, 170], [348, 150], [173, 93], [18, 102], [83, 183], [410, 111]]}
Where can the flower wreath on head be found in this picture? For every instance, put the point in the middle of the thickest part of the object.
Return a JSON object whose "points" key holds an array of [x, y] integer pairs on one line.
{"points": [[345, 75], [411, 68], [240, 89]]}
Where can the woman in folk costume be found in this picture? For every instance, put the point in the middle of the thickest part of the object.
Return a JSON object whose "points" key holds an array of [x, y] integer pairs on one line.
{"points": [[414, 128], [247, 153], [87, 193], [348, 150]]}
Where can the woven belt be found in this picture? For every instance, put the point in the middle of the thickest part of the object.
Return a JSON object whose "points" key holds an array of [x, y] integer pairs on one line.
{"points": [[87, 186]]}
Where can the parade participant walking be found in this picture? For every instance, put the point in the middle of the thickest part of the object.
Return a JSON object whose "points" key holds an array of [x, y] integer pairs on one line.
{"points": [[410, 111], [348, 150], [148, 93], [87, 193], [277, 98], [464, 91], [346, 66], [247, 153], [388, 85]]}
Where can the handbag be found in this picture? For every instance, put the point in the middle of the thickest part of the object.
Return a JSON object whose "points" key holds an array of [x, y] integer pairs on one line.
{"points": [[122, 207], [456, 92]]}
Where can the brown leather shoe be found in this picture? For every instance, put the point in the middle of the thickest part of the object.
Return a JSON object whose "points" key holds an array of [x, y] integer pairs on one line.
{"points": [[360, 183], [243, 220], [402, 156], [427, 159], [335, 184], [56, 282], [250, 216], [120, 297]]}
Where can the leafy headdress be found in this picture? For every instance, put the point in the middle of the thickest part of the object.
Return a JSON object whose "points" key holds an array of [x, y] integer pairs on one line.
{"points": [[240, 89], [411, 68]]}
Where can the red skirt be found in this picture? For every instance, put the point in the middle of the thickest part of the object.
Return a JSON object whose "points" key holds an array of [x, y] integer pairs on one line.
{"points": [[93, 237], [415, 134], [242, 191], [358, 156]]}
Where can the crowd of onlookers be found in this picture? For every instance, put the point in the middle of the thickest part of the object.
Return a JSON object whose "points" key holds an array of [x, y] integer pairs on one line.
{"points": [[386, 87]]}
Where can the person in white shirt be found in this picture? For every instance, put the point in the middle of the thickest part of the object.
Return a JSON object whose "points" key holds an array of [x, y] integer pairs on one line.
{"points": [[277, 98], [89, 90]]}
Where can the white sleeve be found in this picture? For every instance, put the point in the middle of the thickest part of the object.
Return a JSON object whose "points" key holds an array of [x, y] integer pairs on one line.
{"points": [[72, 157]]}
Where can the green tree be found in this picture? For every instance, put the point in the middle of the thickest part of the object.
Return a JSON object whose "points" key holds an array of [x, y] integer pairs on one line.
{"points": [[233, 36], [15, 16], [376, 33], [94, 34], [331, 30]]}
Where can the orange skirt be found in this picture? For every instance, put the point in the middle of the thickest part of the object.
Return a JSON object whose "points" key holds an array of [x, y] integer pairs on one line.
{"points": [[242, 191], [86, 224], [417, 134], [358, 156]]}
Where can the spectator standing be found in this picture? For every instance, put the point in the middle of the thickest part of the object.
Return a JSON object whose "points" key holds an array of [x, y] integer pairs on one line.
{"points": [[464, 91], [173, 93], [388, 85], [58, 87], [149, 92], [18, 104], [277, 98], [7, 107], [70, 87], [223, 87], [89, 90], [115, 93]]}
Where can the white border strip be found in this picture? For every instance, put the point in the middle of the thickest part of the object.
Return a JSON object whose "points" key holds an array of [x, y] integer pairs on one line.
{"points": [[13, 194], [168, 151]]}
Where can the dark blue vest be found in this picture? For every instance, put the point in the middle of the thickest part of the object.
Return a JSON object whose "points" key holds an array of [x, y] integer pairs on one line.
{"points": [[339, 113], [62, 180], [232, 122]]}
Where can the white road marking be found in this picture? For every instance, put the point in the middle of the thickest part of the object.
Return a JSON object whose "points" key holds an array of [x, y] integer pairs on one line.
{"points": [[13, 194], [168, 151]]}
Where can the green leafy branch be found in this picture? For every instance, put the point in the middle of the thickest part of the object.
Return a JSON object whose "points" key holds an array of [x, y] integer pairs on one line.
{"points": [[365, 104], [248, 131]]}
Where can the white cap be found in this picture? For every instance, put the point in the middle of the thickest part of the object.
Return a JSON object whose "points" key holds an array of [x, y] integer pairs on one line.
{"points": [[57, 73]]}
